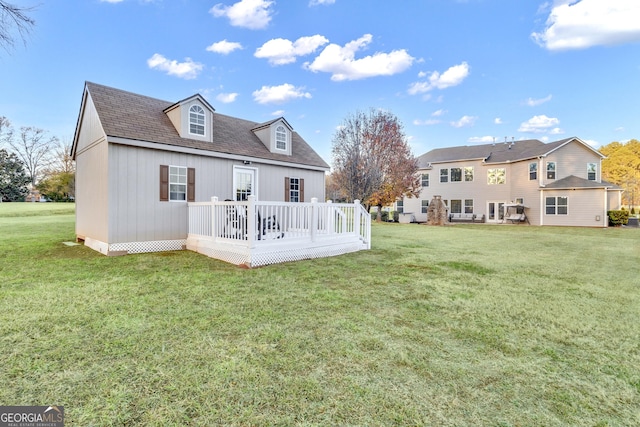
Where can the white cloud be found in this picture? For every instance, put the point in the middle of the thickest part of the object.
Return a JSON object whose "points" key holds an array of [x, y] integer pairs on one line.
{"points": [[497, 121], [224, 47], [556, 131], [619, 129], [278, 113], [438, 113], [279, 94], [538, 124], [111, 1], [283, 51], [341, 63], [428, 122], [451, 77], [535, 102], [482, 139], [252, 14], [227, 98], [582, 24], [464, 121], [185, 70], [319, 2]]}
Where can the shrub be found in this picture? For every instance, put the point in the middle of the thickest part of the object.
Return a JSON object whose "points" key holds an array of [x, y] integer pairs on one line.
{"points": [[618, 218], [385, 216]]}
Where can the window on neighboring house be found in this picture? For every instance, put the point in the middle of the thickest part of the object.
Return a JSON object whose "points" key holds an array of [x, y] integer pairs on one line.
{"points": [[591, 171], [293, 189], [556, 205], [468, 206], [425, 179], [281, 138], [424, 206], [400, 206], [468, 174], [177, 184], [444, 175], [456, 174], [456, 206], [196, 120], [551, 170], [520, 200], [533, 171], [496, 176]]}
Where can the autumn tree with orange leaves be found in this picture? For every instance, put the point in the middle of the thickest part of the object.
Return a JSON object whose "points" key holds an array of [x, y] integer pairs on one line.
{"points": [[372, 161]]}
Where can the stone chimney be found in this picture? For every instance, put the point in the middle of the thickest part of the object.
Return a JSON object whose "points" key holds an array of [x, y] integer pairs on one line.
{"points": [[437, 212]]}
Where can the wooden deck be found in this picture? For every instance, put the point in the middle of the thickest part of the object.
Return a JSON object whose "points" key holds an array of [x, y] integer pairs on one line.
{"points": [[253, 233]]}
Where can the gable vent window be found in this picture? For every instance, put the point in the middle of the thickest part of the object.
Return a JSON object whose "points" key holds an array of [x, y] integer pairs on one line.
{"points": [[281, 138], [196, 120]]}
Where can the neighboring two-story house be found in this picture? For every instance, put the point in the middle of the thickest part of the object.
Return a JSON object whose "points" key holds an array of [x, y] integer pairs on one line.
{"points": [[139, 160], [558, 183]]}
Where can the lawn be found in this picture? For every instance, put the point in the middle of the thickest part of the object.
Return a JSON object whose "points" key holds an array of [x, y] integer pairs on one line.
{"points": [[454, 326]]}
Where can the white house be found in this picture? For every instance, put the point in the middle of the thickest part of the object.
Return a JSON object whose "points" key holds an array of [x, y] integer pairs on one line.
{"points": [[557, 183]]}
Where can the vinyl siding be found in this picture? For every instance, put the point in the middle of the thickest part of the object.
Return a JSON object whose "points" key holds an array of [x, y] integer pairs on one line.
{"points": [[583, 208], [136, 213], [91, 176], [571, 159]]}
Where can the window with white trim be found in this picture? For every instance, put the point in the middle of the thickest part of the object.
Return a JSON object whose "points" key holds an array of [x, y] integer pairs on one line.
{"points": [[400, 206], [556, 205], [196, 120], [533, 171], [468, 206], [294, 189], [456, 174], [281, 138], [551, 170], [424, 206], [444, 175], [425, 179], [456, 206], [591, 171], [468, 174], [496, 176], [177, 183]]}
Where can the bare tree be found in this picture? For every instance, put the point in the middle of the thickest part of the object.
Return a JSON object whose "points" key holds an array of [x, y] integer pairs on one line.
{"points": [[12, 16], [6, 130], [372, 159], [32, 147]]}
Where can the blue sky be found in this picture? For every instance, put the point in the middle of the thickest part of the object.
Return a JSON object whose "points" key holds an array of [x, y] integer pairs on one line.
{"points": [[454, 72]]}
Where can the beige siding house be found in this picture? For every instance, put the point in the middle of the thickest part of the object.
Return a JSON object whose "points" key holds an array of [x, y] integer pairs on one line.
{"points": [[557, 183], [140, 161]]}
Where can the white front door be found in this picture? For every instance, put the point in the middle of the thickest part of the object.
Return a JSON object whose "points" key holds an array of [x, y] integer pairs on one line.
{"points": [[495, 211], [244, 183]]}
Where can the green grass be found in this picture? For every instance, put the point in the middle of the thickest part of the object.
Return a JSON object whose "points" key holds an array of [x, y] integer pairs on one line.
{"points": [[453, 326]]}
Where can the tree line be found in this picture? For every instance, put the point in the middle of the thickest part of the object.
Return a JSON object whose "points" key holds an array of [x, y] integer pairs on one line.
{"points": [[30, 159], [622, 167]]}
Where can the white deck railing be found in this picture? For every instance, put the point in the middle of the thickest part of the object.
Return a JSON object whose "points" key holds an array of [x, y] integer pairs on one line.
{"points": [[253, 223]]}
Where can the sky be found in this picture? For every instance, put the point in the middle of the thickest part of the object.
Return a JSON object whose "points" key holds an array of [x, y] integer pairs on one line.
{"points": [[454, 72]]}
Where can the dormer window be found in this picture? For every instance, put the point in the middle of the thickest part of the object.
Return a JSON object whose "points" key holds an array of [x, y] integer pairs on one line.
{"points": [[281, 138], [196, 120]]}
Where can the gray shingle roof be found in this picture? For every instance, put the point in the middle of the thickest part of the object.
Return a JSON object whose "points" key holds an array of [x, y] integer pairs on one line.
{"points": [[138, 117], [573, 181], [499, 152]]}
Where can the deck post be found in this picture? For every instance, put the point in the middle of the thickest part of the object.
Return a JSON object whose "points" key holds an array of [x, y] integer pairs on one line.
{"points": [[314, 218], [356, 217], [214, 231], [251, 221]]}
